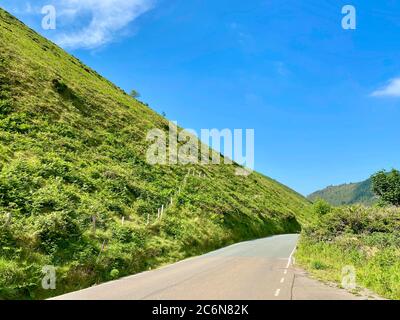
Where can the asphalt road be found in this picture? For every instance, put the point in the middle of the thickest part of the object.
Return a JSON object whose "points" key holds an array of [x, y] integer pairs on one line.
{"points": [[254, 270]]}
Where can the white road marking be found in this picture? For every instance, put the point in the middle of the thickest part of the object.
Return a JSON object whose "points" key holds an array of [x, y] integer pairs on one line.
{"points": [[278, 291], [290, 258]]}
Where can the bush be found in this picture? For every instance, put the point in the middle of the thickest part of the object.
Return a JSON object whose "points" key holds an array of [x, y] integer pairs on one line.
{"points": [[56, 231], [321, 207], [114, 274], [5, 108], [318, 265], [134, 94], [60, 86], [356, 220]]}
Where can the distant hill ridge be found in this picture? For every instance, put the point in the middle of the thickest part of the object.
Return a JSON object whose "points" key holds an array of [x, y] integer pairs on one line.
{"points": [[347, 194]]}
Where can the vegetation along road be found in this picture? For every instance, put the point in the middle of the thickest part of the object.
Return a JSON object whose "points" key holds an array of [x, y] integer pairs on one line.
{"points": [[260, 269]]}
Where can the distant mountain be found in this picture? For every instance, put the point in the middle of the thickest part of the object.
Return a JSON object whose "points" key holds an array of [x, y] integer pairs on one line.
{"points": [[345, 194]]}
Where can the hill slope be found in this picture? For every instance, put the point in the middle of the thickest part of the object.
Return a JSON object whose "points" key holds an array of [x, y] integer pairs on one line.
{"points": [[75, 189], [347, 194]]}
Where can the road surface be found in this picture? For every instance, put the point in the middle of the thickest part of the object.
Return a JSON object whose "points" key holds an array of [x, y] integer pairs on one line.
{"points": [[252, 270]]}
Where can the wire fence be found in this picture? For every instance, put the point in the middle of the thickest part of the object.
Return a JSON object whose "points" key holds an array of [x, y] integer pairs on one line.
{"points": [[164, 208]]}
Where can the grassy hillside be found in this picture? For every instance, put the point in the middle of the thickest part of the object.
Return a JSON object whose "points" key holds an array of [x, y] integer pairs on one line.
{"points": [[347, 194], [76, 191]]}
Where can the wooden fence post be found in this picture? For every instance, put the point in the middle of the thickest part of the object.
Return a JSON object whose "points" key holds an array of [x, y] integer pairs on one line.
{"points": [[102, 249], [8, 221], [94, 224]]}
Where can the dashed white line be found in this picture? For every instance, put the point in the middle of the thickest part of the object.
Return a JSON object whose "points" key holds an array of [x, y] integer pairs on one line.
{"points": [[278, 291]]}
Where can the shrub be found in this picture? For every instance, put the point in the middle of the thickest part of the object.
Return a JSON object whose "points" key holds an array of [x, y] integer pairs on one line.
{"points": [[134, 94], [356, 220], [318, 265], [321, 207], [114, 274], [56, 231], [5, 108], [60, 86]]}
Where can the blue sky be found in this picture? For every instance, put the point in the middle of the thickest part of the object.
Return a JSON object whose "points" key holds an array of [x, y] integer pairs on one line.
{"points": [[324, 101]]}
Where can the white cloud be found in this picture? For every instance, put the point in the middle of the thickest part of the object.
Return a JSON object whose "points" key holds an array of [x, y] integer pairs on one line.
{"points": [[92, 23], [392, 89], [19, 8]]}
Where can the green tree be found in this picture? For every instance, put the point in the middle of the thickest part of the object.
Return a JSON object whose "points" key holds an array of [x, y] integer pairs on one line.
{"points": [[134, 94], [321, 207], [386, 185]]}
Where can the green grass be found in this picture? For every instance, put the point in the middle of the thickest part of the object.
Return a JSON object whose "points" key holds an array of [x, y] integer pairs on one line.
{"points": [[72, 146], [366, 238]]}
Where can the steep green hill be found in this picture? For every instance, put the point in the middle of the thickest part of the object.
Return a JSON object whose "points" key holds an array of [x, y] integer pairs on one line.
{"points": [[77, 193], [347, 194]]}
